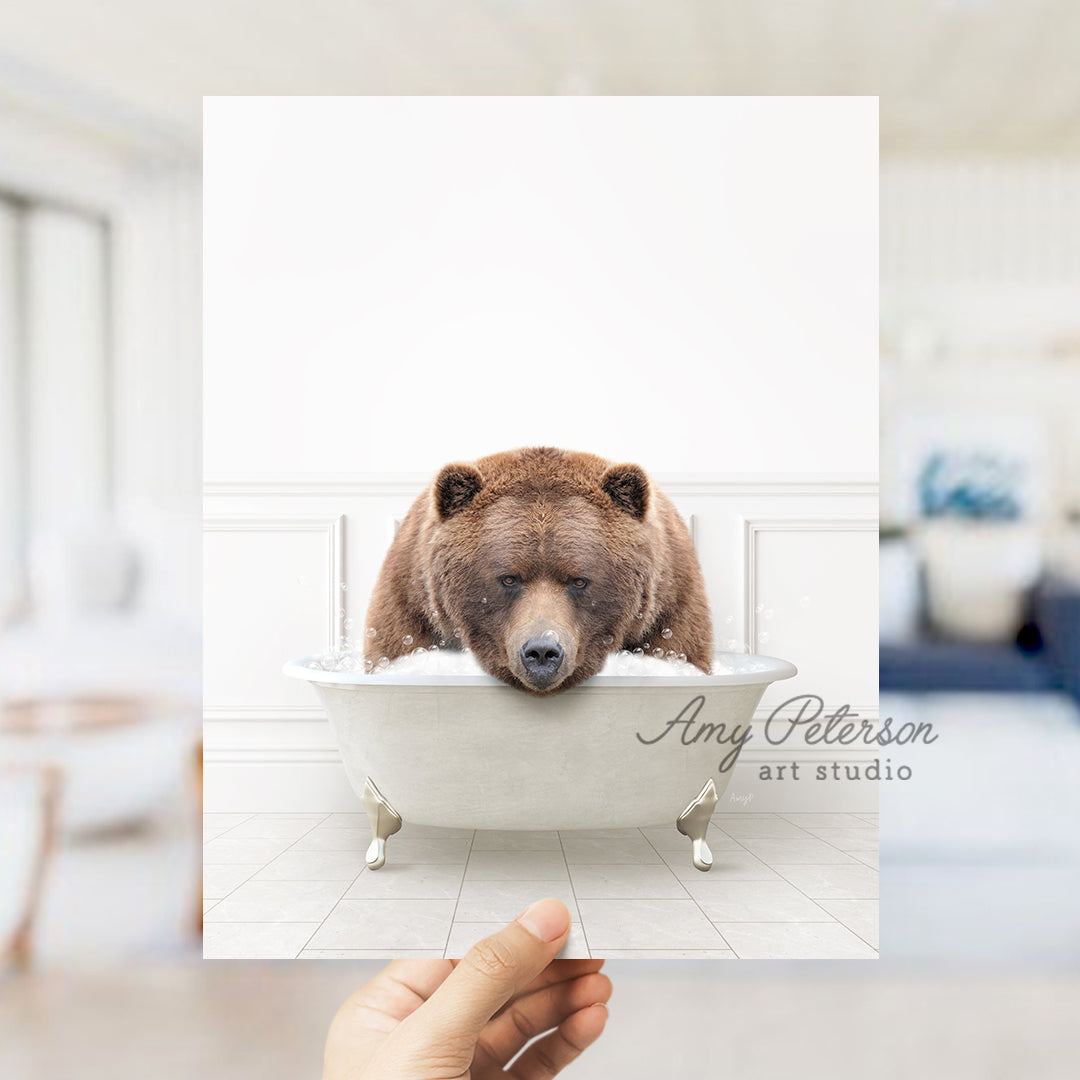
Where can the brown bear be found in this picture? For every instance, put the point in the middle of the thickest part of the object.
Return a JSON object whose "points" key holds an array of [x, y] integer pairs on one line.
{"points": [[542, 562]]}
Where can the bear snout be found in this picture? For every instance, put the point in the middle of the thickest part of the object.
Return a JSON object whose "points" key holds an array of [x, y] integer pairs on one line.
{"points": [[542, 657], [541, 654]]}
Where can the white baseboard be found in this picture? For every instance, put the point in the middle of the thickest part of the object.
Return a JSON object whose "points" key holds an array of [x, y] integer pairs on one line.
{"points": [[277, 788]]}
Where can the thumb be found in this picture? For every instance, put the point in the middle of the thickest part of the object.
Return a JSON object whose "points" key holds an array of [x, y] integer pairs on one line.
{"points": [[492, 972]]}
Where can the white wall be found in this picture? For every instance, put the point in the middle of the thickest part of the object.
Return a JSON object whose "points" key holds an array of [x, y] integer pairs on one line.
{"points": [[393, 283]]}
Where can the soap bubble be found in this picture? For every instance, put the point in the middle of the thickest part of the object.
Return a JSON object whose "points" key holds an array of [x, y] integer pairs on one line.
{"points": [[407, 639], [550, 634], [625, 663], [658, 652], [763, 637], [483, 600], [639, 652], [344, 587], [371, 631], [609, 640], [760, 608], [666, 632], [349, 624]]}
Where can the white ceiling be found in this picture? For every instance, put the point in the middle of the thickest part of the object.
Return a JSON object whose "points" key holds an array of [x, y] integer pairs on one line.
{"points": [[954, 76]]}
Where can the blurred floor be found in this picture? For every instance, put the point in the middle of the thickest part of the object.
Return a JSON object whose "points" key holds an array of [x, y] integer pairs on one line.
{"points": [[122, 896], [980, 852], [671, 1019]]}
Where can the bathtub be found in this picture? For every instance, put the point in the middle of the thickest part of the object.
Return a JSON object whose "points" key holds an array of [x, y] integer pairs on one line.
{"points": [[467, 751]]}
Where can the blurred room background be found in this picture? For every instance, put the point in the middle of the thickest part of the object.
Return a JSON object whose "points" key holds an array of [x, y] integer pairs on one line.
{"points": [[980, 551], [99, 474], [99, 482]]}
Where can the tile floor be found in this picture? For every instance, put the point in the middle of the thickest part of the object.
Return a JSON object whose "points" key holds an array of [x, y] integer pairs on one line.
{"points": [[789, 886]]}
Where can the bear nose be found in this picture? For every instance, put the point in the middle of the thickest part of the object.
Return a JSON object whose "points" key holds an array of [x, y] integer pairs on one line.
{"points": [[541, 656]]}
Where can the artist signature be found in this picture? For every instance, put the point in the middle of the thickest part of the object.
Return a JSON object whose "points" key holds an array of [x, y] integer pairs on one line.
{"points": [[841, 727]]}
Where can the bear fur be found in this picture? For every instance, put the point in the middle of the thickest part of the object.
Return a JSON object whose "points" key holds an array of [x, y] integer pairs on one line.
{"points": [[541, 545]]}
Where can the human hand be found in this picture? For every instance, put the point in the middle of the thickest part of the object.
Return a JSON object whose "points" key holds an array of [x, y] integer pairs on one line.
{"points": [[447, 1019]]}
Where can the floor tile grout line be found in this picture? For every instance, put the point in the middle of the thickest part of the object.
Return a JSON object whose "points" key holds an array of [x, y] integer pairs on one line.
{"points": [[218, 899], [664, 863], [837, 848], [798, 889], [573, 893], [688, 895], [250, 817], [815, 899], [787, 815], [322, 922], [457, 901], [851, 929], [801, 922], [264, 865], [693, 899], [776, 869]]}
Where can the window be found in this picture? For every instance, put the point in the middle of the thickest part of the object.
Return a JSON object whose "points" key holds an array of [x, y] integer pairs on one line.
{"points": [[56, 386]]}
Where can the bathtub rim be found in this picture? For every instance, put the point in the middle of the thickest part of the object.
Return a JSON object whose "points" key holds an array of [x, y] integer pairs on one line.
{"points": [[776, 671]]}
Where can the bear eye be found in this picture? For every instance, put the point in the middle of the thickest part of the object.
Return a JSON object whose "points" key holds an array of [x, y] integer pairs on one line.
{"points": [[579, 582], [509, 580]]}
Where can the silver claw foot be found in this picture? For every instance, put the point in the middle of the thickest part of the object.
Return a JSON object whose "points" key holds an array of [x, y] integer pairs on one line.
{"points": [[385, 821], [694, 821]]}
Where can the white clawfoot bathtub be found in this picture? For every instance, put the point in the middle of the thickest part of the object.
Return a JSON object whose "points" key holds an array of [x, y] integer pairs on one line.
{"points": [[467, 751]]}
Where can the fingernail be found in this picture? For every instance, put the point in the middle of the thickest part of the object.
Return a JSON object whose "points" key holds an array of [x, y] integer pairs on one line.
{"points": [[546, 919]]}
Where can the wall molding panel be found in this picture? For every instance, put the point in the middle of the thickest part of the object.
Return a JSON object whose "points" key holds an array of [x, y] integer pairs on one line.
{"points": [[753, 527], [332, 524], [269, 747]]}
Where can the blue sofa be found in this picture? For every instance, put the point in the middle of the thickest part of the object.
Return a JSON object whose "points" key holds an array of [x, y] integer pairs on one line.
{"points": [[1045, 656]]}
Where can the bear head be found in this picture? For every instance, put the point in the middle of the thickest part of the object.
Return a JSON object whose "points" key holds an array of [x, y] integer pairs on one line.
{"points": [[541, 562]]}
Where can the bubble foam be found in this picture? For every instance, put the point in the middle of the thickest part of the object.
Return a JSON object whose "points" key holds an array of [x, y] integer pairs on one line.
{"points": [[437, 661]]}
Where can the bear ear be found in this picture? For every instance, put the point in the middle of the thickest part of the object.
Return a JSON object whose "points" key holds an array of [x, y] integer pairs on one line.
{"points": [[628, 487], [455, 487]]}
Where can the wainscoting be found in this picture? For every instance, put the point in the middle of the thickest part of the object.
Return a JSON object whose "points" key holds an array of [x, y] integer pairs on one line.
{"points": [[791, 570]]}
